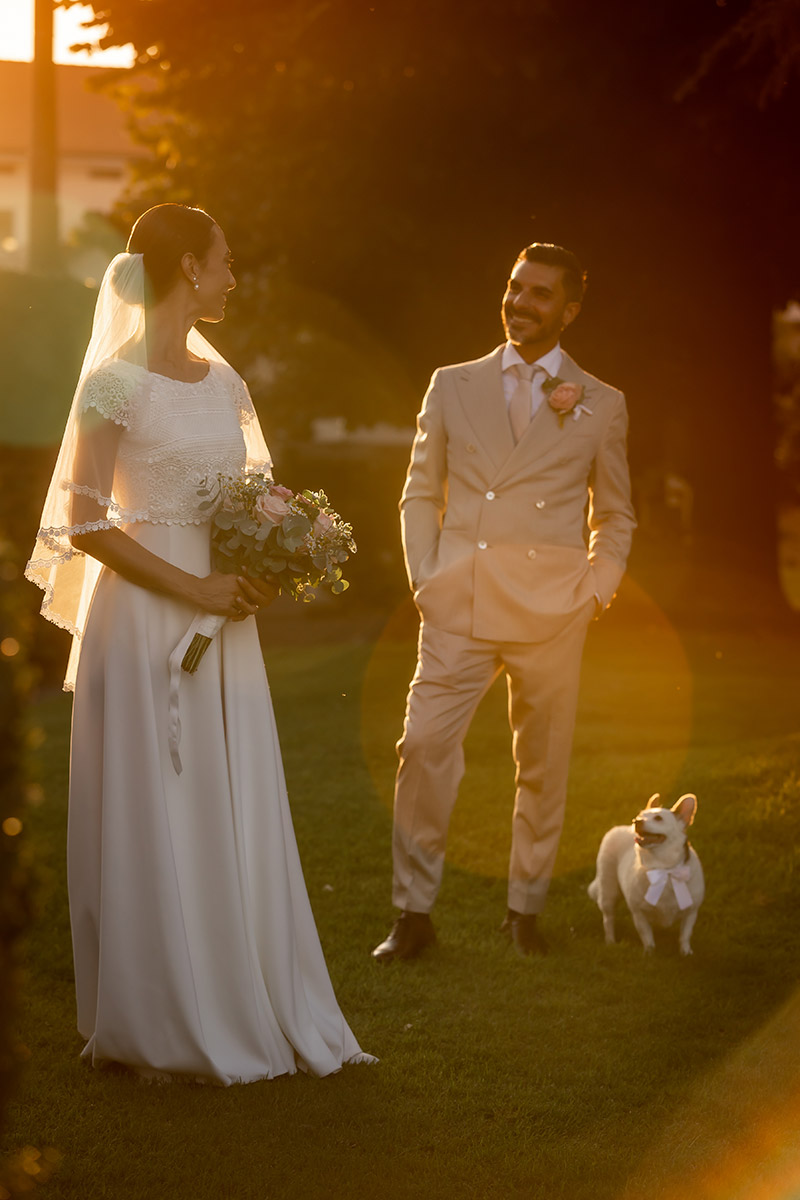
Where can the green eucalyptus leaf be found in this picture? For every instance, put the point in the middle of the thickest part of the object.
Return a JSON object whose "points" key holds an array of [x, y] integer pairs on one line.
{"points": [[296, 525]]}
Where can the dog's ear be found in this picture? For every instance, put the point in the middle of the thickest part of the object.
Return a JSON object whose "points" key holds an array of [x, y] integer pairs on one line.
{"points": [[655, 800], [685, 808]]}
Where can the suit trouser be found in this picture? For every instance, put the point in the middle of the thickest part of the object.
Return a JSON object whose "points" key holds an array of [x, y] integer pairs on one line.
{"points": [[453, 674]]}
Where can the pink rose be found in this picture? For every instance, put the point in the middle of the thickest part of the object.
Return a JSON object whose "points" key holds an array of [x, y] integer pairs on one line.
{"points": [[322, 524], [270, 507], [563, 398], [277, 489]]}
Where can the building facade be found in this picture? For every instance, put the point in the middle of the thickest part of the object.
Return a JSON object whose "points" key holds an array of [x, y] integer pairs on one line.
{"points": [[94, 150]]}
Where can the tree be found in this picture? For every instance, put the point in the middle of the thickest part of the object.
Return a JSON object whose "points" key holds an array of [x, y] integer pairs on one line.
{"points": [[44, 205], [394, 155]]}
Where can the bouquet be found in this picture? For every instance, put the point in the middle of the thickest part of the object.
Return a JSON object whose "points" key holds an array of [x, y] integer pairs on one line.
{"points": [[265, 530]]}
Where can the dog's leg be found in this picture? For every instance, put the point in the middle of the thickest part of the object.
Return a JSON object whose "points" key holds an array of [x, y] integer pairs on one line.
{"points": [[604, 890], [608, 925], [687, 925], [644, 931]]}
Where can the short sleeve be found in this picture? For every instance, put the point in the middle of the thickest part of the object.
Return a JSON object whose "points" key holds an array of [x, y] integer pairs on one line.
{"points": [[110, 391], [258, 455], [244, 403]]}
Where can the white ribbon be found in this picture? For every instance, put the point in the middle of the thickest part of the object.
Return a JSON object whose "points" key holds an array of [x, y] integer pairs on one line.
{"points": [[578, 409], [209, 626], [678, 877]]}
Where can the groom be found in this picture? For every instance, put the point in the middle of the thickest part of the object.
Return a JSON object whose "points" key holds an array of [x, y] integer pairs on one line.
{"points": [[508, 451]]}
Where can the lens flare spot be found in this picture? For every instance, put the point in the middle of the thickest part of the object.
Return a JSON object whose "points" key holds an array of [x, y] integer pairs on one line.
{"points": [[34, 794], [636, 700]]}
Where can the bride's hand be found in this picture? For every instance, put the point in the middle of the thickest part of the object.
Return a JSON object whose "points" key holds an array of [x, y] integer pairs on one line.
{"points": [[260, 592], [222, 595], [234, 596]]}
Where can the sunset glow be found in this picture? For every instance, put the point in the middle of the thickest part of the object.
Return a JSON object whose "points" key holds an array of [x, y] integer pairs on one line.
{"points": [[16, 36]]}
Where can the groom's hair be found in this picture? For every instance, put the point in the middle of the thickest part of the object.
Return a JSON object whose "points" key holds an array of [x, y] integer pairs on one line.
{"points": [[557, 256]]}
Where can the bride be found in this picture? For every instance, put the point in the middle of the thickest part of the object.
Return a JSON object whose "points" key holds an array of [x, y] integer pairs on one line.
{"points": [[195, 948]]}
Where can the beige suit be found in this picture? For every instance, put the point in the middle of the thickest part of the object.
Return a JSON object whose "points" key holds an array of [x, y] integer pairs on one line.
{"points": [[493, 535]]}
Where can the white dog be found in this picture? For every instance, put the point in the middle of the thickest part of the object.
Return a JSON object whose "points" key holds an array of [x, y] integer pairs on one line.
{"points": [[651, 862]]}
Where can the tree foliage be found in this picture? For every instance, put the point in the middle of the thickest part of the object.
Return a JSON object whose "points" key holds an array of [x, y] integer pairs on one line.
{"points": [[379, 163], [765, 41]]}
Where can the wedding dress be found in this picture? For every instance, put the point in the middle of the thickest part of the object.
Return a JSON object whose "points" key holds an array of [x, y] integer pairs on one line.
{"points": [[196, 952]]}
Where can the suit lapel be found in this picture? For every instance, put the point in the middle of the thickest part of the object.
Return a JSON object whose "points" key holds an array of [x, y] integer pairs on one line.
{"points": [[545, 431], [480, 390], [571, 372]]}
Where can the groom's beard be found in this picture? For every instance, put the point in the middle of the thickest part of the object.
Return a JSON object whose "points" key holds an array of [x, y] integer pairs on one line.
{"points": [[530, 330]]}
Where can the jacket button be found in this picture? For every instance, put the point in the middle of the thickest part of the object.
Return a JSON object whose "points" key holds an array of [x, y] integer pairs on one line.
{"points": [[481, 545], [470, 448], [531, 554], [540, 503], [490, 495]]}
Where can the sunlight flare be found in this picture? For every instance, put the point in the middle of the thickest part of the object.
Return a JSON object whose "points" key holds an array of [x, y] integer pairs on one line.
{"points": [[16, 36]]}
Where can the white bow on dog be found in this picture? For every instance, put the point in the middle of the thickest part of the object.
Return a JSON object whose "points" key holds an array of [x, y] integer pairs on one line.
{"points": [[678, 876]]}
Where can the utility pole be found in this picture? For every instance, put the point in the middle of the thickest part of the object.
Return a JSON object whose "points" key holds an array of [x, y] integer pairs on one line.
{"points": [[44, 255]]}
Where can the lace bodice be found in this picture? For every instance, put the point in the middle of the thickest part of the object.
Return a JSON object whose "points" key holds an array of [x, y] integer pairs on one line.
{"points": [[137, 447], [174, 436]]}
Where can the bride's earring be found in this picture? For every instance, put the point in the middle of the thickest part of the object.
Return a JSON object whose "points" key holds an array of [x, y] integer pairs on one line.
{"points": [[194, 281]]}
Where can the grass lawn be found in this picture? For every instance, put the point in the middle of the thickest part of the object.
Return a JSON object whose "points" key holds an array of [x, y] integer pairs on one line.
{"points": [[594, 1074]]}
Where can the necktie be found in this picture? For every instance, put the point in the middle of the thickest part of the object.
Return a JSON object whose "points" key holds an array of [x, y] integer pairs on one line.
{"points": [[519, 407]]}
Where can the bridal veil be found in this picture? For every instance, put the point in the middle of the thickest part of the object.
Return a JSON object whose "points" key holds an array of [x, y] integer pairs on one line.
{"points": [[81, 493]]}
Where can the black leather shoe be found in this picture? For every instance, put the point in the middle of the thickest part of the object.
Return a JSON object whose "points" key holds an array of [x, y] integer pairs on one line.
{"points": [[409, 936], [525, 935]]}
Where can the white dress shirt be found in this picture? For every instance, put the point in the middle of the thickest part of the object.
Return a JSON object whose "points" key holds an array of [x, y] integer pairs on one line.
{"points": [[551, 362]]}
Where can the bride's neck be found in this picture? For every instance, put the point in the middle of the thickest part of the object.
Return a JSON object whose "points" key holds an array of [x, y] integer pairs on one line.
{"points": [[168, 325]]}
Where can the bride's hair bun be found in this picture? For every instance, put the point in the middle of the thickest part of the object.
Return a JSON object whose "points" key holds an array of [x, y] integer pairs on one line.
{"points": [[162, 235], [125, 280]]}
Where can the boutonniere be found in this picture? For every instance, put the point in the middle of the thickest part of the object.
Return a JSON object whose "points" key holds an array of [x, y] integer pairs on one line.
{"points": [[565, 398]]}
